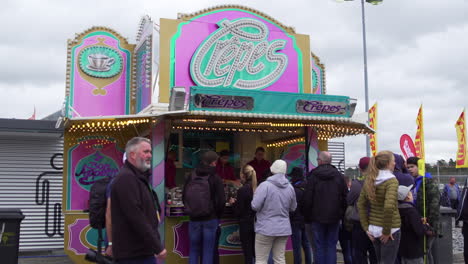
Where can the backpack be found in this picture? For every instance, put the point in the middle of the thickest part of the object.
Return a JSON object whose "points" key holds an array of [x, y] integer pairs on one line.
{"points": [[98, 203], [198, 200]]}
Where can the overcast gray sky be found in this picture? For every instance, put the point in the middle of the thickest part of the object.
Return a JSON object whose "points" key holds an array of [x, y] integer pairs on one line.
{"points": [[416, 54]]}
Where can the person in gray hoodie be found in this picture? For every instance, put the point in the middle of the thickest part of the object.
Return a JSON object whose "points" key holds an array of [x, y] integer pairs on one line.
{"points": [[273, 200]]}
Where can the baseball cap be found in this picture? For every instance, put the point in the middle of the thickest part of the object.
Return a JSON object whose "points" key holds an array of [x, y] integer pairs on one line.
{"points": [[403, 192]]}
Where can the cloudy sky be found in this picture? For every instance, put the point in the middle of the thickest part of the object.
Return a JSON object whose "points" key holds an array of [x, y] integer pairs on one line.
{"points": [[416, 54]]}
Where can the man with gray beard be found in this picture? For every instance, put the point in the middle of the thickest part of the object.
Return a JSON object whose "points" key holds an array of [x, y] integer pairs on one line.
{"points": [[134, 209]]}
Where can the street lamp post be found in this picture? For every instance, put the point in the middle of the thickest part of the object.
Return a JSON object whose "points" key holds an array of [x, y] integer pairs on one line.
{"points": [[364, 46]]}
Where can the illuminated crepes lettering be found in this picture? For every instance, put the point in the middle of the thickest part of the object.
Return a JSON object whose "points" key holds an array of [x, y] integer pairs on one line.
{"points": [[321, 107], [239, 55], [223, 101]]}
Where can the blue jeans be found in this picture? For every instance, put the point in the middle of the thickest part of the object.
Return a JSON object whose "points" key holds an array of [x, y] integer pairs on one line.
{"points": [[202, 241], [143, 260], [325, 239], [299, 243]]}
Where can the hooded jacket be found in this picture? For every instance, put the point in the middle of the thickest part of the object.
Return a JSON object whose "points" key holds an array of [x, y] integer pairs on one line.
{"points": [[432, 201], [384, 208], [401, 173], [273, 200], [325, 195]]}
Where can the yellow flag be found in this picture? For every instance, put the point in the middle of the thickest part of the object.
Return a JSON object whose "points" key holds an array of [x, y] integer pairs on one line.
{"points": [[373, 125], [462, 157], [419, 142]]}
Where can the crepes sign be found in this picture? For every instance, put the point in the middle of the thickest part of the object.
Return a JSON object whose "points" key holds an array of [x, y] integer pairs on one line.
{"points": [[239, 55]]}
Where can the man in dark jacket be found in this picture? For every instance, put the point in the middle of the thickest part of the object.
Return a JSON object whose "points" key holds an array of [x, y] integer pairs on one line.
{"points": [[135, 215], [324, 207], [204, 196]]}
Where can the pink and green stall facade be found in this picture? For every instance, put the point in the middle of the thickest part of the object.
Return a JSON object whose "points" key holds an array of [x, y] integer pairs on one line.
{"points": [[225, 78]]}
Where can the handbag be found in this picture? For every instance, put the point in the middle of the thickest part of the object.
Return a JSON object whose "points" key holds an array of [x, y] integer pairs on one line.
{"points": [[352, 213]]}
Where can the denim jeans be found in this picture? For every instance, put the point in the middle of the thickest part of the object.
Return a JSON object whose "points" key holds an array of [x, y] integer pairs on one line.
{"points": [[361, 246], [310, 237], [265, 244], [299, 243], [325, 239], [387, 253], [344, 236], [143, 260], [202, 241]]}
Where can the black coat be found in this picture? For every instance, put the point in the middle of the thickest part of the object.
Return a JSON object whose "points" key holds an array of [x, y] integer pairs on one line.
{"points": [[134, 221], [296, 217], [412, 232], [325, 195], [242, 207]]}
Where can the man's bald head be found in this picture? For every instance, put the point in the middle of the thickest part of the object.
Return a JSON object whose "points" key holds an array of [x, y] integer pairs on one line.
{"points": [[324, 157]]}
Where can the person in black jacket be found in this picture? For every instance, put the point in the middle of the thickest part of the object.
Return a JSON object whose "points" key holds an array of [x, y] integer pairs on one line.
{"points": [[411, 248], [207, 204], [324, 207], [361, 246], [244, 212], [134, 209], [299, 237]]}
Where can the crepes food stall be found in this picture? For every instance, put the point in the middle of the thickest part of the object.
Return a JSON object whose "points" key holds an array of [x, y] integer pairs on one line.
{"points": [[226, 78]]}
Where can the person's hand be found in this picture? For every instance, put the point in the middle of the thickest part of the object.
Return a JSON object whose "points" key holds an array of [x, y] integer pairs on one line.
{"points": [[232, 200], [372, 238], [424, 220], [109, 251], [162, 254], [384, 238]]}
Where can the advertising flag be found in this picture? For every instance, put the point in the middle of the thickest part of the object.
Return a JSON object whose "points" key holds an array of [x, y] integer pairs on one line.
{"points": [[373, 125], [407, 146], [419, 142], [462, 157]]}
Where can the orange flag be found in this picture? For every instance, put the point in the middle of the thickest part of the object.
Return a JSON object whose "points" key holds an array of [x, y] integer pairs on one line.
{"points": [[373, 125], [462, 157], [419, 142]]}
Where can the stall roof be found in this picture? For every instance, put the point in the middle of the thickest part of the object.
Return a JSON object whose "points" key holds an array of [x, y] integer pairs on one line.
{"points": [[24, 125]]}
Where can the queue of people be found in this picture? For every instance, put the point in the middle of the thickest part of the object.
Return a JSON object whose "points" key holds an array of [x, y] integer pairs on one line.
{"points": [[391, 213]]}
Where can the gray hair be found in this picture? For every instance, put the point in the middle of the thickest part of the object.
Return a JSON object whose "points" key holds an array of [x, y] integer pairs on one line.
{"points": [[325, 157], [133, 143]]}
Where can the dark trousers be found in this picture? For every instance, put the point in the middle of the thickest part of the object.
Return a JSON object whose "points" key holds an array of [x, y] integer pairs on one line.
{"points": [[299, 243], [247, 238], [344, 236], [387, 253], [325, 239], [142, 260], [361, 246], [454, 205], [465, 241]]}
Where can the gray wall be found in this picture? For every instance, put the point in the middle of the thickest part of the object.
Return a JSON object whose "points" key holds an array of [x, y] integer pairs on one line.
{"points": [[24, 157]]}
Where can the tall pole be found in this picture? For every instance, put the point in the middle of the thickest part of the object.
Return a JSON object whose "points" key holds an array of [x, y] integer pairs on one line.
{"points": [[366, 94]]}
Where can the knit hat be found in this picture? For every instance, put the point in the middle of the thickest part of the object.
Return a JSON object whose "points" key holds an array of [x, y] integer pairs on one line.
{"points": [[279, 167], [403, 192], [363, 163]]}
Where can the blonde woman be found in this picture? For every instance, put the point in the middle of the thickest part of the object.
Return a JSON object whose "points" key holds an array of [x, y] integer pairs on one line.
{"points": [[378, 207], [244, 212]]}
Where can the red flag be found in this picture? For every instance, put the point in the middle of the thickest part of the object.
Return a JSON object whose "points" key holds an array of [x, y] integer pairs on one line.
{"points": [[33, 117]]}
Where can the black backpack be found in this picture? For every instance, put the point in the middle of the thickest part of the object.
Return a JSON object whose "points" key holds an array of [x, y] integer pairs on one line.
{"points": [[98, 203], [198, 200]]}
